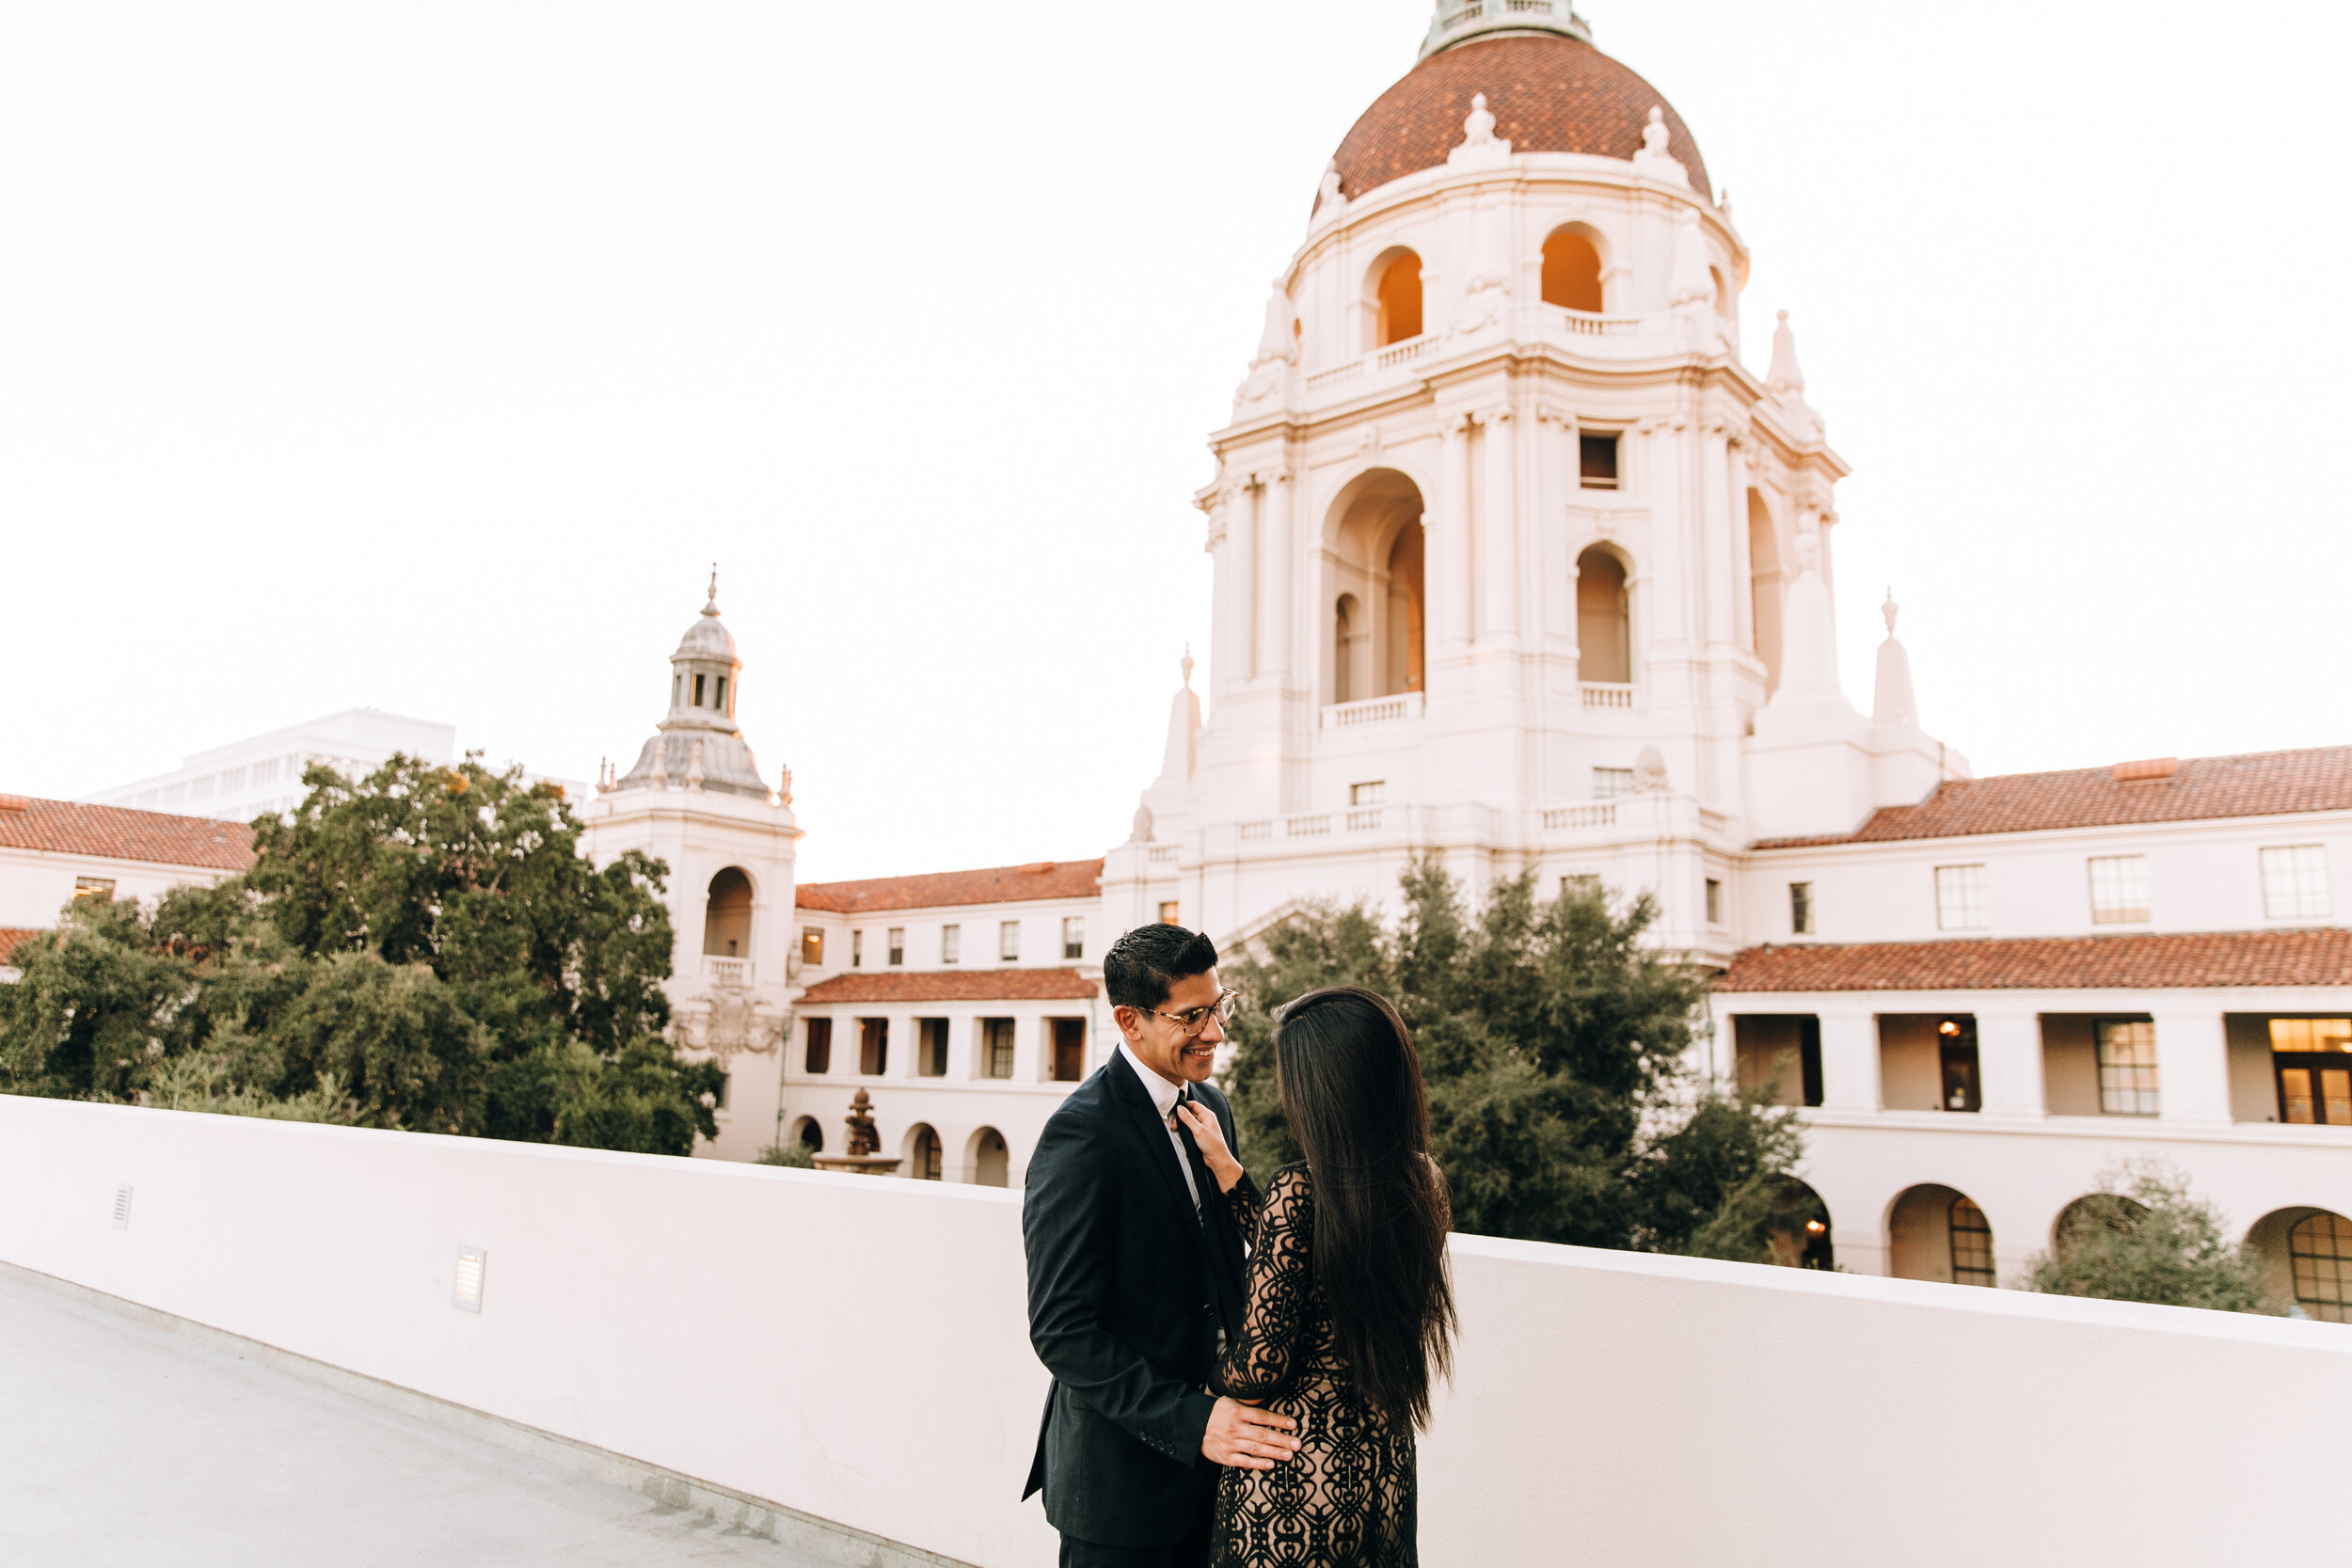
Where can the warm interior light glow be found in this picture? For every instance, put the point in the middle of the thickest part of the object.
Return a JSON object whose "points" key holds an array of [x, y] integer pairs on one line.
{"points": [[1948, 1027], [1816, 1226]]}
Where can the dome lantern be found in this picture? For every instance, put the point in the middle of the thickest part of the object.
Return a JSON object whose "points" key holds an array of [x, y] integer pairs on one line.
{"points": [[1459, 21], [698, 739]]}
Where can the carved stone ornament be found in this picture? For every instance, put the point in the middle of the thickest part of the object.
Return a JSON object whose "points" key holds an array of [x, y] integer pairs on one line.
{"points": [[1653, 162], [1329, 200], [731, 1023], [1142, 834], [1649, 772], [1480, 147]]}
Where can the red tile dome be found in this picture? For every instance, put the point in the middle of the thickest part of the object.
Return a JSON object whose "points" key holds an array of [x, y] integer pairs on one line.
{"points": [[1548, 93]]}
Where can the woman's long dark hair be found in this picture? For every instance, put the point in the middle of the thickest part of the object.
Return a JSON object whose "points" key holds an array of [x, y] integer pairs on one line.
{"points": [[1351, 1089]]}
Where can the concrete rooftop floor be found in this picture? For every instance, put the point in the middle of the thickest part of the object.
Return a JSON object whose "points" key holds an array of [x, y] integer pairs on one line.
{"points": [[130, 1444]]}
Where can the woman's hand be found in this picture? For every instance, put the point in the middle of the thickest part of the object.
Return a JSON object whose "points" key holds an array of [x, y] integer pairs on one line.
{"points": [[1210, 1139]]}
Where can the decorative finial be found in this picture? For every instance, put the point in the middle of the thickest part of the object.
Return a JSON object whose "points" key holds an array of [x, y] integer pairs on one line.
{"points": [[1654, 134], [1479, 129], [1890, 610], [710, 606], [1187, 665]]}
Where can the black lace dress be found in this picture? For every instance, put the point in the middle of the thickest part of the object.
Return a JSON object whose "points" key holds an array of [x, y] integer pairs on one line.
{"points": [[1348, 1496]]}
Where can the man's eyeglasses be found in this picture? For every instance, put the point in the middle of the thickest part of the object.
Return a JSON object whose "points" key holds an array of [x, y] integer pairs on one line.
{"points": [[1195, 1020]]}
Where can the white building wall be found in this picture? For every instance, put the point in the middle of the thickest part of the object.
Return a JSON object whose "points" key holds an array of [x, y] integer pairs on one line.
{"points": [[876, 1369]]}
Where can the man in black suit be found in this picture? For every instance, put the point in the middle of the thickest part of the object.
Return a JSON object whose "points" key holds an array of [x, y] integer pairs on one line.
{"points": [[1135, 1275]]}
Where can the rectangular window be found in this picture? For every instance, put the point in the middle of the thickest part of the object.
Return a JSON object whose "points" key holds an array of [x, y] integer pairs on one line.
{"points": [[1069, 1050], [719, 698], [873, 1046], [857, 949], [2127, 1067], [2294, 883], [1959, 898], [1608, 783], [1956, 1050], [951, 944], [698, 690], [100, 888], [1168, 912], [2118, 889], [996, 1047], [2313, 1059], [1009, 940], [1367, 794], [930, 1048], [1801, 908], [1596, 461], [1073, 936], [813, 945], [819, 1053], [1714, 902], [898, 944]]}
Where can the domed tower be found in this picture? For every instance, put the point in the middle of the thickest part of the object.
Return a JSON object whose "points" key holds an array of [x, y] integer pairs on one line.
{"points": [[696, 802], [1502, 526]]}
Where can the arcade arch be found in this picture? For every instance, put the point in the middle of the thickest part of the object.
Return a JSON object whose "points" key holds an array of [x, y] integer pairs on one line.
{"points": [[727, 915], [1571, 276], [2306, 1259], [1374, 589], [990, 1160], [923, 1153], [809, 1134], [1392, 298], [1800, 1232], [1938, 1233]]}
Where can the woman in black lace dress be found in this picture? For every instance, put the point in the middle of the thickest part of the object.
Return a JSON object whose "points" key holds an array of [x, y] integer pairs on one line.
{"points": [[1349, 1316]]}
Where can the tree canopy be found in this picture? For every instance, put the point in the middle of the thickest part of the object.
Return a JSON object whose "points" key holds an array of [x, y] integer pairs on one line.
{"points": [[2145, 1236], [1553, 1041], [425, 948]]}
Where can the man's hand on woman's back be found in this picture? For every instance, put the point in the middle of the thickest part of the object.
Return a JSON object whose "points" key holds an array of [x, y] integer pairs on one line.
{"points": [[1244, 1438]]}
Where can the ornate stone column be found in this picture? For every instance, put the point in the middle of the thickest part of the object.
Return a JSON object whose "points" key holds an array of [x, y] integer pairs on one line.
{"points": [[1449, 564], [1274, 555], [1238, 594], [1497, 534], [1742, 563]]}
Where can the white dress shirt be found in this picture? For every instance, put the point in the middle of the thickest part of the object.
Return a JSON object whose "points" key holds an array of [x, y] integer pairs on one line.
{"points": [[1163, 1096]]}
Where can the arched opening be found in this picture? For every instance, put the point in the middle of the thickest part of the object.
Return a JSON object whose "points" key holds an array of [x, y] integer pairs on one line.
{"points": [[2093, 1211], [1604, 619], [1572, 271], [1764, 591], [2306, 1259], [923, 1153], [1938, 1233], [728, 917], [1373, 579], [1396, 298], [1800, 1231], [1350, 640], [992, 1163], [809, 1136]]}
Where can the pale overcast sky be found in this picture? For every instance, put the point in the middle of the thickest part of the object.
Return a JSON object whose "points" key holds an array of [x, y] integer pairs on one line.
{"points": [[422, 356]]}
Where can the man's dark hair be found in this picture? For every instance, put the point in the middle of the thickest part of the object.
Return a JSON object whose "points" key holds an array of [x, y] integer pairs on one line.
{"points": [[1144, 964]]}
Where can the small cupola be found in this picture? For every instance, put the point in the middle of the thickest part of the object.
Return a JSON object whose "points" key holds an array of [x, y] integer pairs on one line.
{"points": [[698, 745]]}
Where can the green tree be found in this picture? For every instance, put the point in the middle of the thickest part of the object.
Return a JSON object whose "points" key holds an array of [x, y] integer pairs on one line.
{"points": [[1552, 1040], [425, 948], [2145, 1236]]}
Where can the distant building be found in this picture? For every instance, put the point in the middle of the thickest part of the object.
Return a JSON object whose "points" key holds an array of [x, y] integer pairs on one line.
{"points": [[53, 852], [244, 779]]}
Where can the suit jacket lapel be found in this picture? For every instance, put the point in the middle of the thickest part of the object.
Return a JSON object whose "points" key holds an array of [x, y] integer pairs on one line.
{"points": [[1143, 1119]]}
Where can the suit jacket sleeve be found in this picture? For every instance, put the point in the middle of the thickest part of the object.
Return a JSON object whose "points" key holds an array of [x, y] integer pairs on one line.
{"points": [[1069, 1218]]}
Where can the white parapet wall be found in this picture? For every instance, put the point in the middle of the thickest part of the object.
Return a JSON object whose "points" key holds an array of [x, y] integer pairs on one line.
{"points": [[856, 1349]]}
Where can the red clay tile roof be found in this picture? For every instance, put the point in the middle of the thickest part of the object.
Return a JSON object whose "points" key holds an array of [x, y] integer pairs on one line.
{"points": [[1548, 94], [986, 985], [115, 833], [1001, 884], [9, 937], [2259, 783], [2302, 957]]}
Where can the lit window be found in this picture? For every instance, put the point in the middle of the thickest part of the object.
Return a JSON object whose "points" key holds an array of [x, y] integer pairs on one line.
{"points": [[1367, 794], [1714, 902], [1596, 461], [1168, 912], [996, 1047], [1960, 897], [2127, 1067], [1073, 937], [1801, 908], [812, 944], [820, 1055], [1972, 1244], [2118, 889], [857, 949], [99, 888], [1611, 782], [2294, 883], [873, 1046], [898, 944], [1009, 940], [2313, 1057], [951, 944]]}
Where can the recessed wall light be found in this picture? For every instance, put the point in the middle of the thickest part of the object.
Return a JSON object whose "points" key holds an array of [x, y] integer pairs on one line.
{"points": [[123, 1207], [467, 1294]]}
